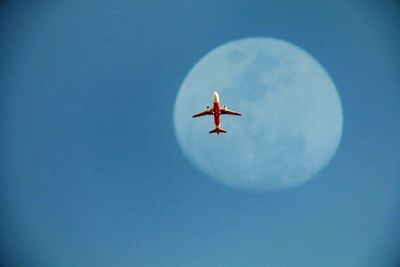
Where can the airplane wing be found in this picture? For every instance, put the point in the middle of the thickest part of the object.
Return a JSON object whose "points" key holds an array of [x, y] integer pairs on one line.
{"points": [[229, 112], [207, 112]]}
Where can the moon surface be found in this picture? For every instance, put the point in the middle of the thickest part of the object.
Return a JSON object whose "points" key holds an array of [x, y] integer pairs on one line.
{"points": [[292, 116]]}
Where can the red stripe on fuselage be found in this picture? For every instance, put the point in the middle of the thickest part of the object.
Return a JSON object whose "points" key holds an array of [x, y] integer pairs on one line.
{"points": [[217, 119]]}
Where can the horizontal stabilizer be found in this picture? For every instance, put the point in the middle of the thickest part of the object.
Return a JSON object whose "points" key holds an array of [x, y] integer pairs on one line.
{"points": [[217, 131]]}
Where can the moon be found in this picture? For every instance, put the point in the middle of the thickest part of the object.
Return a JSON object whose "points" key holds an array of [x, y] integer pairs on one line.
{"points": [[292, 115]]}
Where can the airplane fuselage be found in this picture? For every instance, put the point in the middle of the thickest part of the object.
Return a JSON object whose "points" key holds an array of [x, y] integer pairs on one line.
{"points": [[217, 117]]}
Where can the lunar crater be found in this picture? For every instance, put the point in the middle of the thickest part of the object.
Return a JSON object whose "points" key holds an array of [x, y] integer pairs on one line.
{"points": [[236, 56]]}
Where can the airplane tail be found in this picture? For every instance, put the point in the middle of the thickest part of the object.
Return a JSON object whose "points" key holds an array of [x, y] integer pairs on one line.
{"points": [[217, 131]]}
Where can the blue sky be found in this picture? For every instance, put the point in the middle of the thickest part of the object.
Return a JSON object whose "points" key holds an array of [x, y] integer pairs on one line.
{"points": [[91, 172]]}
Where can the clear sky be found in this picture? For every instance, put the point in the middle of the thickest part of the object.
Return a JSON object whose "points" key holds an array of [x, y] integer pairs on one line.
{"points": [[91, 173]]}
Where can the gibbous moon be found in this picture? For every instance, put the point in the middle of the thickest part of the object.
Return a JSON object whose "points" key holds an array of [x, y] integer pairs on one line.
{"points": [[292, 116]]}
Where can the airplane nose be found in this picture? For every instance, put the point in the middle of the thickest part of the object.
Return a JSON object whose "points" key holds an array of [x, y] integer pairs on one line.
{"points": [[216, 97]]}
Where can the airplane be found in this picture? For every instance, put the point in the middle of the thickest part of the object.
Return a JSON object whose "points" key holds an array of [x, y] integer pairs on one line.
{"points": [[217, 111]]}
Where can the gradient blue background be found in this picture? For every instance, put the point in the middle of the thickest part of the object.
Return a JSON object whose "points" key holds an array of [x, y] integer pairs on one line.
{"points": [[91, 172]]}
